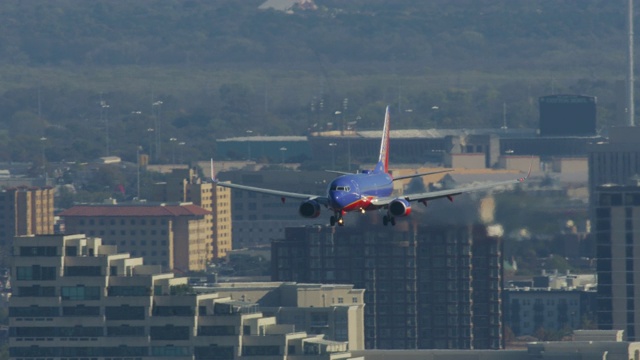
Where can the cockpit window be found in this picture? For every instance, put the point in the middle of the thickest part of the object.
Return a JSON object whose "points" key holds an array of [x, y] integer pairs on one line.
{"points": [[340, 188]]}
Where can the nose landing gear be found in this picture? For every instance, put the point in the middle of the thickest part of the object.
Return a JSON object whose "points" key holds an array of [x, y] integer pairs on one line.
{"points": [[337, 219], [388, 219]]}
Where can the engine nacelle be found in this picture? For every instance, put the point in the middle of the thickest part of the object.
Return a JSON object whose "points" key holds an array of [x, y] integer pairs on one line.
{"points": [[309, 209], [399, 207]]}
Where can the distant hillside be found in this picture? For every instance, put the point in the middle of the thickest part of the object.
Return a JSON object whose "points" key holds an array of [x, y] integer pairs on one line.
{"points": [[481, 33]]}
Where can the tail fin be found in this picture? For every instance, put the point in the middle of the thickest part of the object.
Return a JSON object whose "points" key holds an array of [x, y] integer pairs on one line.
{"points": [[383, 160]]}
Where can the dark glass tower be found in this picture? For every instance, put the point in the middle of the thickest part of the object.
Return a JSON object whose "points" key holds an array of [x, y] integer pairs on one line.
{"points": [[435, 287]]}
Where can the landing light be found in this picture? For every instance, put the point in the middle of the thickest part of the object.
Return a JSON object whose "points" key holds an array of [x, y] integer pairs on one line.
{"points": [[362, 210]]}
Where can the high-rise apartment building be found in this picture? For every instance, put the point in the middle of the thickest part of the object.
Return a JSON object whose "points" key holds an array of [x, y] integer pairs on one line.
{"points": [[617, 225], [175, 236], [184, 185], [614, 161], [614, 167], [75, 298], [25, 211], [427, 287]]}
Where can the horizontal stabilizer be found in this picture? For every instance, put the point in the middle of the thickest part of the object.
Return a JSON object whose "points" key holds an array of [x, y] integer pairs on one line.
{"points": [[339, 172]]}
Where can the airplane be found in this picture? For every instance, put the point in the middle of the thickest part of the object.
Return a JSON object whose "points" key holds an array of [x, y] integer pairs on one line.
{"points": [[365, 191]]}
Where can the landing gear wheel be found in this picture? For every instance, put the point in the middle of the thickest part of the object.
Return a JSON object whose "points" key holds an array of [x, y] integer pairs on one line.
{"points": [[332, 220], [393, 221], [385, 220]]}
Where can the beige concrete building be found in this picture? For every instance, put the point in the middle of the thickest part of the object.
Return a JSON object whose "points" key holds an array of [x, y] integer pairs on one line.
{"points": [[570, 164], [520, 163], [174, 236], [335, 311], [185, 185], [76, 298], [465, 160], [25, 211]]}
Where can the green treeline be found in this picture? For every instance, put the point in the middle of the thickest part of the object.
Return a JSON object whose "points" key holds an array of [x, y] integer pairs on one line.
{"points": [[73, 71]]}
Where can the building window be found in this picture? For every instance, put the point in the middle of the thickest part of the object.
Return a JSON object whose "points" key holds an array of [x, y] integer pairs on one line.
{"points": [[125, 330], [124, 312], [80, 292], [35, 272]]}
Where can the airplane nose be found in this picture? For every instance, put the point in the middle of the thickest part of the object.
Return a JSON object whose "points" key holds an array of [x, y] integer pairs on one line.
{"points": [[340, 199], [337, 199]]}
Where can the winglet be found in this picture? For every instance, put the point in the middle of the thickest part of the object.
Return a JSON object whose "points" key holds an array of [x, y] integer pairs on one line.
{"points": [[529, 172]]}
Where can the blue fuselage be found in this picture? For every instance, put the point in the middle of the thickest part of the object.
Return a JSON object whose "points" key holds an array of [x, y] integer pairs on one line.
{"points": [[355, 191]]}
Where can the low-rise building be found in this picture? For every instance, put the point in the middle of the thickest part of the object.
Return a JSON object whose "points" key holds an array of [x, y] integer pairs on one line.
{"points": [[335, 311], [552, 350], [527, 311], [184, 185], [175, 236]]}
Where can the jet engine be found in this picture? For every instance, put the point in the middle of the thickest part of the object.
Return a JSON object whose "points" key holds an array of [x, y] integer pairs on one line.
{"points": [[309, 209], [399, 207]]}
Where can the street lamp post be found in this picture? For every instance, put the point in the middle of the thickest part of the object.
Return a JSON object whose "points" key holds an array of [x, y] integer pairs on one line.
{"points": [[181, 144], [282, 150], [156, 125], [249, 132], [43, 140], [173, 149], [105, 111], [432, 115], [138, 171], [150, 131], [333, 155]]}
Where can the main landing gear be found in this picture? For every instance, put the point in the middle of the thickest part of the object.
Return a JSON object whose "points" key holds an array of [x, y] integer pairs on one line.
{"points": [[336, 219], [388, 219]]}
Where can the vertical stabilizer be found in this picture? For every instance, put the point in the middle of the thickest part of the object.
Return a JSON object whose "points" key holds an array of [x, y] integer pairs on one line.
{"points": [[383, 160]]}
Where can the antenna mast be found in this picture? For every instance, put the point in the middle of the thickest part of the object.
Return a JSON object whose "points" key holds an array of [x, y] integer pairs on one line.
{"points": [[630, 79]]}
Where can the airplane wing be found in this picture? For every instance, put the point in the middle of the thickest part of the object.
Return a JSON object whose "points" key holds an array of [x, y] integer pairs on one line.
{"points": [[448, 193], [421, 174], [399, 177], [284, 194], [280, 193]]}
